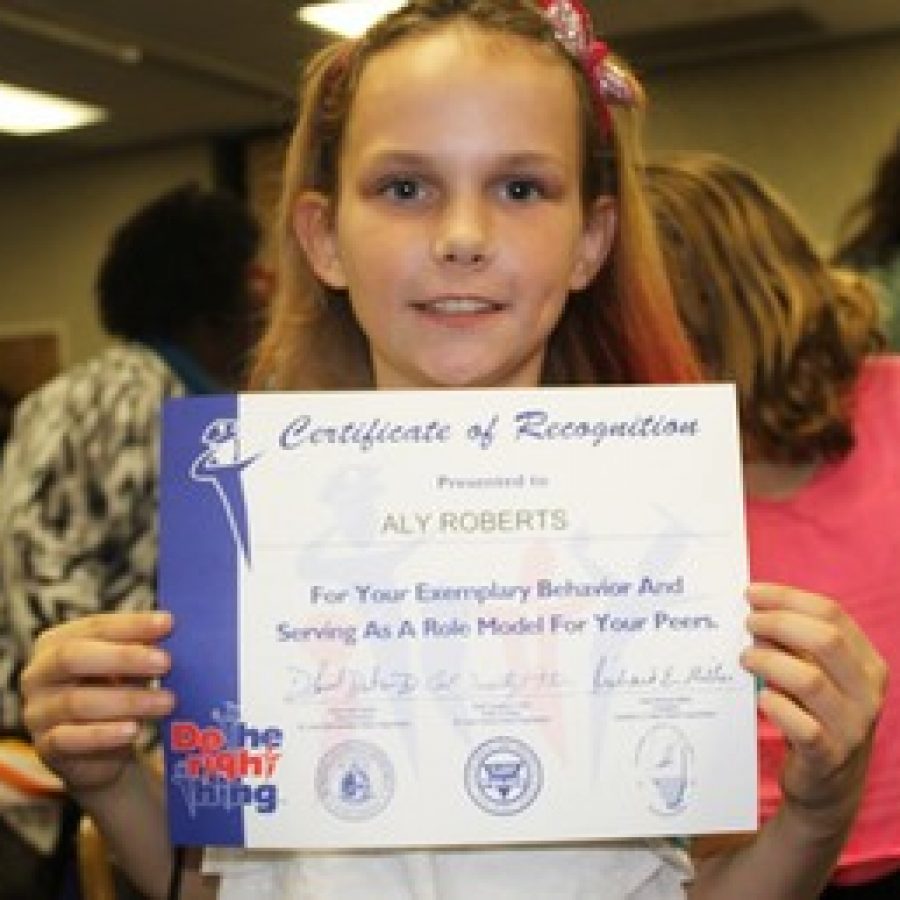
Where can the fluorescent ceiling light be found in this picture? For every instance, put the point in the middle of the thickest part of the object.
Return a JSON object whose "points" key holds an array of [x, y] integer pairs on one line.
{"points": [[349, 17], [24, 112]]}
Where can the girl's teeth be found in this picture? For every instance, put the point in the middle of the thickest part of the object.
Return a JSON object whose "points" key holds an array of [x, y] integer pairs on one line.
{"points": [[460, 305]]}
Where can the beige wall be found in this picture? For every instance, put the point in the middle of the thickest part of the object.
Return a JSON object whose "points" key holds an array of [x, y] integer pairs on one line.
{"points": [[54, 225], [813, 123]]}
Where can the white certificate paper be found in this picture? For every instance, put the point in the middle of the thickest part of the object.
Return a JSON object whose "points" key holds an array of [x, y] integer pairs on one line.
{"points": [[456, 617]]}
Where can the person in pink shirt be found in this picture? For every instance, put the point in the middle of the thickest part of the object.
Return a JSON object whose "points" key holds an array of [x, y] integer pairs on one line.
{"points": [[820, 421]]}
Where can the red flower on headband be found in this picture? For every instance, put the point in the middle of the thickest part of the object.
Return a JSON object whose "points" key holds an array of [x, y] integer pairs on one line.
{"points": [[612, 84], [571, 24]]}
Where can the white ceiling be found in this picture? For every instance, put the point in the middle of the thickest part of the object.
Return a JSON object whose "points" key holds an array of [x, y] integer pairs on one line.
{"points": [[168, 69]]}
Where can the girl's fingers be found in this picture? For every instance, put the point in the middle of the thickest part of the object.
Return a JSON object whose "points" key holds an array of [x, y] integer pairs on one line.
{"points": [[87, 689], [84, 657], [771, 601], [813, 639], [825, 684], [763, 594], [118, 627], [812, 626], [96, 704], [68, 741], [804, 685], [774, 598], [803, 731]]}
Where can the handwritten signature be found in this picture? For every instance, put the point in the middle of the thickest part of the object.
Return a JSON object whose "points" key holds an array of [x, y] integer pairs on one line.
{"points": [[381, 682], [611, 675], [385, 682]]}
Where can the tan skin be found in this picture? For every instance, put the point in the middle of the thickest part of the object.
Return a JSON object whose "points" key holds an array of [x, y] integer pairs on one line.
{"points": [[90, 682]]}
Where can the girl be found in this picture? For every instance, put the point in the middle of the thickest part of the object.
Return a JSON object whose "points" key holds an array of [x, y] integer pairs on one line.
{"points": [[820, 413], [462, 209]]}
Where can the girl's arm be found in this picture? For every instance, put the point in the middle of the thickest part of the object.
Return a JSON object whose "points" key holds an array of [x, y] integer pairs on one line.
{"points": [[825, 685], [131, 817], [87, 689]]}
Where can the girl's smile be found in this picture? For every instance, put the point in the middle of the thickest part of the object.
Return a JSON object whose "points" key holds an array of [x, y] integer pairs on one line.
{"points": [[458, 312]]}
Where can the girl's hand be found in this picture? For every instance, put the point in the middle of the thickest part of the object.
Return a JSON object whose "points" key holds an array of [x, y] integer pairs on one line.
{"points": [[824, 687], [86, 689]]}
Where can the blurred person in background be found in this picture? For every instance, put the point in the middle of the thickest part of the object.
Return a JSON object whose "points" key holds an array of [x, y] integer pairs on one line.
{"points": [[7, 405], [870, 238], [180, 290], [820, 424]]}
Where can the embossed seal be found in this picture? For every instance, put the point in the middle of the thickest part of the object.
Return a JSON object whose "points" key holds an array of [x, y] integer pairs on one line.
{"points": [[355, 780], [664, 758], [503, 776]]}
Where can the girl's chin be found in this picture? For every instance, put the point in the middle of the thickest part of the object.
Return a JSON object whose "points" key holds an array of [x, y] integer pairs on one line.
{"points": [[473, 377], [459, 371]]}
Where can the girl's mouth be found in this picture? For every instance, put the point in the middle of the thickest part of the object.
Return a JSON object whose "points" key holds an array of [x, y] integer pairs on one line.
{"points": [[458, 306]]}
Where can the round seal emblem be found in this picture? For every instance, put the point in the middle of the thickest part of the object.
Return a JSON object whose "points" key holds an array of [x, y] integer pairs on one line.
{"points": [[355, 780], [503, 776]]}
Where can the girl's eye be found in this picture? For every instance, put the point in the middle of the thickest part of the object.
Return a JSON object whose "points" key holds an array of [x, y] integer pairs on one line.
{"points": [[523, 189], [403, 189]]}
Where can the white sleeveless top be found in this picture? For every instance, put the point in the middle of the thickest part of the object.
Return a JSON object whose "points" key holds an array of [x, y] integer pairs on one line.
{"points": [[651, 870]]}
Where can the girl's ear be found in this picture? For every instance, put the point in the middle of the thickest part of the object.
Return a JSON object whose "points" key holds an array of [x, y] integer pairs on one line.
{"points": [[596, 242], [314, 230]]}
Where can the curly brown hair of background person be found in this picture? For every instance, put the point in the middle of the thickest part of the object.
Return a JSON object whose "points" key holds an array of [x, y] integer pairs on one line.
{"points": [[764, 307]]}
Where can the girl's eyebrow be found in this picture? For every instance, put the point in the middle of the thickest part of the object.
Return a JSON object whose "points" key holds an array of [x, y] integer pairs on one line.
{"points": [[396, 158], [512, 160]]}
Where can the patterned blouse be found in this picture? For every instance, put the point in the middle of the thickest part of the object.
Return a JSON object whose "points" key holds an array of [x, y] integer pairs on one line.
{"points": [[78, 497]]}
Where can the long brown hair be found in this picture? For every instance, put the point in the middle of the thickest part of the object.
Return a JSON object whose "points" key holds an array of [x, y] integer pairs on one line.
{"points": [[763, 306], [621, 329]]}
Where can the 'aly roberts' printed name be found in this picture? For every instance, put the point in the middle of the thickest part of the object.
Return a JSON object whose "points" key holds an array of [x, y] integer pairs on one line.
{"points": [[474, 521]]}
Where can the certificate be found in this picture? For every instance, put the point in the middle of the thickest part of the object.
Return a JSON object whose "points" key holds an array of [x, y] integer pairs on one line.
{"points": [[453, 618]]}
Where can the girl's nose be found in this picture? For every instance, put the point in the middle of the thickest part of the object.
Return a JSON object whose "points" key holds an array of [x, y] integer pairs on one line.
{"points": [[462, 236]]}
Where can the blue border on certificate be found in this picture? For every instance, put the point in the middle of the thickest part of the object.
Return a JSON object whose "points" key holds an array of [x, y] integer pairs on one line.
{"points": [[200, 587]]}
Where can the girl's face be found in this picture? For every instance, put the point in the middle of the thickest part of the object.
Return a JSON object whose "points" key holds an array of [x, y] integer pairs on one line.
{"points": [[459, 228]]}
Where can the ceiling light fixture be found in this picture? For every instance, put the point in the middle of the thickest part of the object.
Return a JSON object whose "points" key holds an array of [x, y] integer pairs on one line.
{"points": [[24, 112], [349, 18]]}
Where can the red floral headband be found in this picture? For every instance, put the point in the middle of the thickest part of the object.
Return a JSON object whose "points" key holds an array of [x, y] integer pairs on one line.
{"points": [[612, 84]]}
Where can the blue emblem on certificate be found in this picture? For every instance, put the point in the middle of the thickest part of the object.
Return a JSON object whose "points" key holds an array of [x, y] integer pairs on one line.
{"points": [[221, 464], [503, 776], [355, 780]]}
